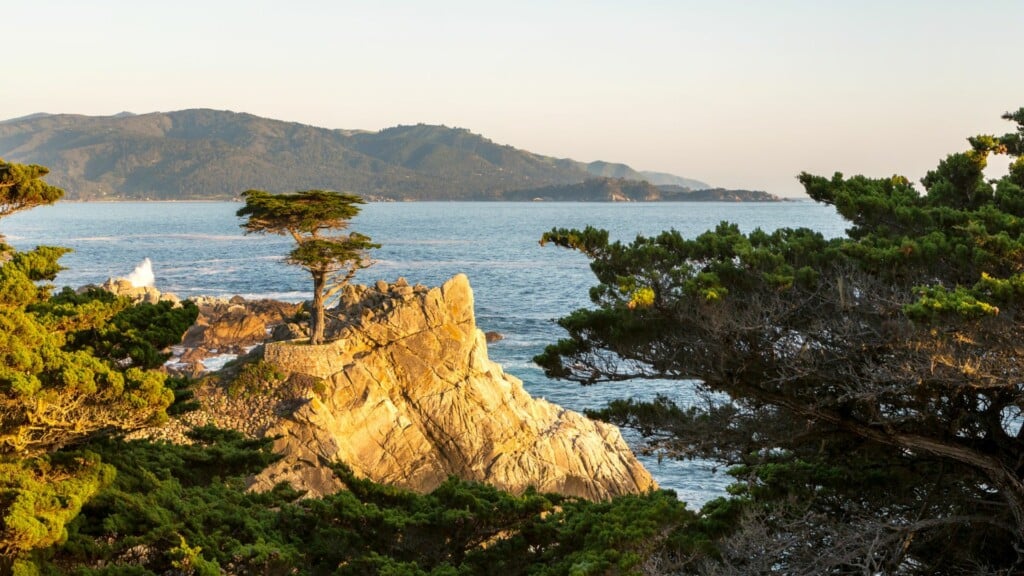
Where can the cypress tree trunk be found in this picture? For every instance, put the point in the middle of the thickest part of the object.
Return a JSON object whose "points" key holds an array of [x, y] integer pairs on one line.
{"points": [[316, 318]]}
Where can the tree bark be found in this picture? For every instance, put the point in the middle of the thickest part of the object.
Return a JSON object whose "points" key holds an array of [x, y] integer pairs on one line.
{"points": [[316, 317], [1010, 486]]}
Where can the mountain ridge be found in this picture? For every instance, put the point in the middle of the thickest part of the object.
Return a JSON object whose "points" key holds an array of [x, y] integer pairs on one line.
{"points": [[216, 154]]}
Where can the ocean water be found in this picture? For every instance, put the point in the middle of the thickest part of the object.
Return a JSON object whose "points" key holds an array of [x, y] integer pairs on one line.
{"points": [[520, 288]]}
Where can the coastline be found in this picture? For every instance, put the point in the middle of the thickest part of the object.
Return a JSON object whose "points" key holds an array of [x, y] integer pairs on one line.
{"points": [[436, 201]]}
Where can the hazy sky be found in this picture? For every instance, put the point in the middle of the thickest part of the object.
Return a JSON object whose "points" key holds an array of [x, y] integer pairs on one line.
{"points": [[738, 94]]}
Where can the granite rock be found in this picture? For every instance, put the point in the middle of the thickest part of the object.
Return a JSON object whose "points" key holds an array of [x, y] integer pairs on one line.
{"points": [[408, 396]]}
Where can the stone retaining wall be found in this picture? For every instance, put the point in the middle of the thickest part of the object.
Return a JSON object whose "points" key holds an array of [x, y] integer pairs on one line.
{"points": [[322, 360]]}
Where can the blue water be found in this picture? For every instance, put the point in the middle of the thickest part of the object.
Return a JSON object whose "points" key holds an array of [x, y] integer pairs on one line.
{"points": [[519, 286]]}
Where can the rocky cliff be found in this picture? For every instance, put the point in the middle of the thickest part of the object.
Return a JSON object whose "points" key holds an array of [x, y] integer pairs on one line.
{"points": [[407, 395]]}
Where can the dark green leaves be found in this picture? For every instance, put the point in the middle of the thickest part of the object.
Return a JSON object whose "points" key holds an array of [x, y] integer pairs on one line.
{"points": [[897, 345], [306, 212], [332, 254], [22, 187], [188, 503]]}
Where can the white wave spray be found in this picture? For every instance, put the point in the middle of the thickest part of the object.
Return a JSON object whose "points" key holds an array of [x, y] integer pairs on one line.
{"points": [[142, 276]]}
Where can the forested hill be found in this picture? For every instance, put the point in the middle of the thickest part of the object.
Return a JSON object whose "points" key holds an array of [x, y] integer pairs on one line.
{"points": [[624, 190], [210, 154]]}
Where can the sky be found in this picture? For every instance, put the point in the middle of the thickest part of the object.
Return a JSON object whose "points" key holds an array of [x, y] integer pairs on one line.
{"points": [[739, 94]]}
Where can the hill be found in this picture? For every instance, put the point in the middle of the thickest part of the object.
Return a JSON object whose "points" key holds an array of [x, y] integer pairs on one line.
{"points": [[212, 154], [610, 170], [624, 190]]}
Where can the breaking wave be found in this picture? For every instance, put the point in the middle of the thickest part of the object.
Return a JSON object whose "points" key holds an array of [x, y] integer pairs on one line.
{"points": [[142, 276]]}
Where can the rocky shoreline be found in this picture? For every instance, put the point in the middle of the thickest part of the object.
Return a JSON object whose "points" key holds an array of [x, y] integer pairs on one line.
{"points": [[403, 394]]}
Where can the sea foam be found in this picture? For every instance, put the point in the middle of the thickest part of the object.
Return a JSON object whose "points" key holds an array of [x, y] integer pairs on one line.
{"points": [[142, 276]]}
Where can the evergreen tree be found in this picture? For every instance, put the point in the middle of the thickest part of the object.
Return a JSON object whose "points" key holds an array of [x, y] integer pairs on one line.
{"points": [[56, 390], [875, 396], [22, 187], [314, 219]]}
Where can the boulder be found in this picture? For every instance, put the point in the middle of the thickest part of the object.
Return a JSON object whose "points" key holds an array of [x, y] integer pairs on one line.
{"points": [[271, 312], [238, 323], [124, 287], [408, 396], [233, 330], [195, 355], [290, 331]]}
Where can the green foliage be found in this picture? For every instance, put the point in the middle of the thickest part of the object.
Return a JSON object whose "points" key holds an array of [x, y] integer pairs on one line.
{"points": [[328, 253], [190, 560], [473, 529], [184, 395], [310, 212], [186, 503], [614, 537], [20, 272], [22, 187], [869, 377], [114, 329], [38, 496], [57, 390], [254, 378], [53, 392], [936, 302], [186, 506], [384, 526]]}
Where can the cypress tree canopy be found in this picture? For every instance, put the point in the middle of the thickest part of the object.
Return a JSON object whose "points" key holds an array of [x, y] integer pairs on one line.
{"points": [[22, 187], [874, 381], [315, 220]]}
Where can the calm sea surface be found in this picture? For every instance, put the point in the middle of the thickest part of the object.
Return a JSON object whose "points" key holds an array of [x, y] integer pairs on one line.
{"points": [[520, 287]]}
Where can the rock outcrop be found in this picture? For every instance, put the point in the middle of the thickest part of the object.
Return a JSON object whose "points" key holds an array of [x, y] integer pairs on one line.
{"points": [[236, 324], [407, 395], [223, 324], [124, 287]]}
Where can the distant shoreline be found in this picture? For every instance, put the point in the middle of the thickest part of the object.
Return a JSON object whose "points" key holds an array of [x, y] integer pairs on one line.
{"points": [[460, 200]]}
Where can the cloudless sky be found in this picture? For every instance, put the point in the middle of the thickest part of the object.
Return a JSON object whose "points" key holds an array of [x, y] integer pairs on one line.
{"points": [[740, 94]]}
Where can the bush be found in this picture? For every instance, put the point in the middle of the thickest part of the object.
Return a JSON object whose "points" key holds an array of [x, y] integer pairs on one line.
{"points": [[253, 378]]}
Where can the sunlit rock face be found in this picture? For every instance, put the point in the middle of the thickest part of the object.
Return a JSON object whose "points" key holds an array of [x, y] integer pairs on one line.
{"points": [[407, 395]]}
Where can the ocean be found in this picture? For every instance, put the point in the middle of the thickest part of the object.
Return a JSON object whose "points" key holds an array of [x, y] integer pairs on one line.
{"points": [[520, 288]]}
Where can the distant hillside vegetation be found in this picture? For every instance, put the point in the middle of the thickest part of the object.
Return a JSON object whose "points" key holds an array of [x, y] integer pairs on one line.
{"points": [[609, 170], [211, 154], [679, 194], [591, 190], [623, 190]]}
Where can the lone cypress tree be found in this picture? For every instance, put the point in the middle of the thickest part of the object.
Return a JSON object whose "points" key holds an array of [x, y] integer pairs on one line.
{"points": [[314, 219]]}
